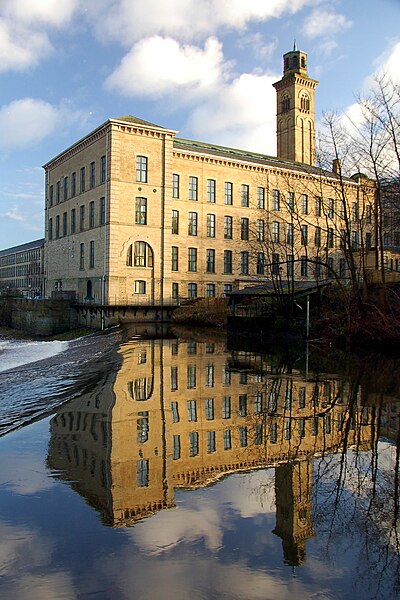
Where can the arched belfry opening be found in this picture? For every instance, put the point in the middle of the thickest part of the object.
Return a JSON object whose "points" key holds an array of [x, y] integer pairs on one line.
{"points": [[295, 98]]}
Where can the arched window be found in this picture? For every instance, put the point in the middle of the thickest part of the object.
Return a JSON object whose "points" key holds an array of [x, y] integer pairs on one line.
{"points": [[305, 102], [285, 104], [303, 62], [143, 255], [295, 61]]}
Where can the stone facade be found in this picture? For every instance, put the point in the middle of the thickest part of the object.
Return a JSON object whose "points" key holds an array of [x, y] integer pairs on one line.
{"points": [[136, 215]]}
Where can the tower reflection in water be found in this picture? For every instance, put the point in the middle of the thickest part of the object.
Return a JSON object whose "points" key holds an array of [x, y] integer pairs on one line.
{"points": [[182, 414]]}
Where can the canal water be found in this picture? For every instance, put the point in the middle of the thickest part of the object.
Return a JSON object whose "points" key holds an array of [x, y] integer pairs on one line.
{"points": [[151, 467]]}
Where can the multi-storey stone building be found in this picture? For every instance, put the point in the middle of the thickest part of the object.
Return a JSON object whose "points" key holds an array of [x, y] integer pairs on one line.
{"points": [[136, 214], [21, 269]]}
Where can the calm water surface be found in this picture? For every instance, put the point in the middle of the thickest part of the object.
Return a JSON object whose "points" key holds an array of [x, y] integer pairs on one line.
{"points": [[179, 468]]}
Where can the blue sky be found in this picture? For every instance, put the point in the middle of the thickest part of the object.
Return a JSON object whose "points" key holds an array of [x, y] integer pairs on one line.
{"points": [[202, 67]]}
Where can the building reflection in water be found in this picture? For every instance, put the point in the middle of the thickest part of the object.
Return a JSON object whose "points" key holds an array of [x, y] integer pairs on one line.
{"points": [[182, 414]]}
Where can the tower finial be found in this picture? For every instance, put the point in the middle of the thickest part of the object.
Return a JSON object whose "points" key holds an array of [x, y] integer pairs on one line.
{"points": [[294, 45]]}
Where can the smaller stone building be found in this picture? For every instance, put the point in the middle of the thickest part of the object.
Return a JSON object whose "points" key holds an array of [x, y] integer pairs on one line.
{"points": [[21, 269]]}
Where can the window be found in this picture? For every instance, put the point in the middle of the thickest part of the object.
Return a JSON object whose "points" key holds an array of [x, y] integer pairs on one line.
{"points": [[244, 263], [245, 195], [175, 222], [304, 204], [192, 413], [82, 179], [175, 412], [226, 407], [140, 254], [141, 169], [331, 208], [318, 206], [192, 224], [192, 260], [228, 198], [275, 231], [175, 290], [260, 263], [258, 434], [368, 241], [51, 195], [142, 473], [209, 379], [65, 188], [276, 261], [260, 230], [227, 289], [302, 397], [141, 211], [92, 174], [192, 188], [91, 255], [244, 228], [327, 424], [177, 446], [73, 220], [192, 290], [301, 425], [228, 227], [65, 224], [174, 379], [82, 256], [242, 405], [210, 190], [260, 197], [210, 290], [50, 229], [139, 286], [304, 235], [227, 439], [210, 260], [290, 265], [368, 213], [211, 226], [329, 238], [175, 185], [287, 429], [102, 169], [273, 433], [58, 192], [354, 240], [91, 214], [209, 405], [290, 201], [174, 258], [243, 436], [210, 442], [275, 200], [227, 261], [57, 227], [317, 239], [102, 211], [258, 402], [304, 266], [82, 212], [193, 443], [289, 233]]}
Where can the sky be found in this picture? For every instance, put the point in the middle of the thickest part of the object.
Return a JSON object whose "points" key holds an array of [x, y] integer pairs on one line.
{"points": [[202, 67]]}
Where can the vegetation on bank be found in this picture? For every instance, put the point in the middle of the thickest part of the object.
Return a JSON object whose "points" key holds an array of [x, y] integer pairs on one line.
{"points": [[207, 312]]}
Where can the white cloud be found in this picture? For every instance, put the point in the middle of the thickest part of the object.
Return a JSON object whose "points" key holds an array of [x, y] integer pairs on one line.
{"points": [[239, 114], [158, 66], [325, 22], [127, 21], [24, 38], [14, 214], [28, 121], [388, 64]]}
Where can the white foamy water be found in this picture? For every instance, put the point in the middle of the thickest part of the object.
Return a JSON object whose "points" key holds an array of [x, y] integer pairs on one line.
{"points": [[15, 353]]}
